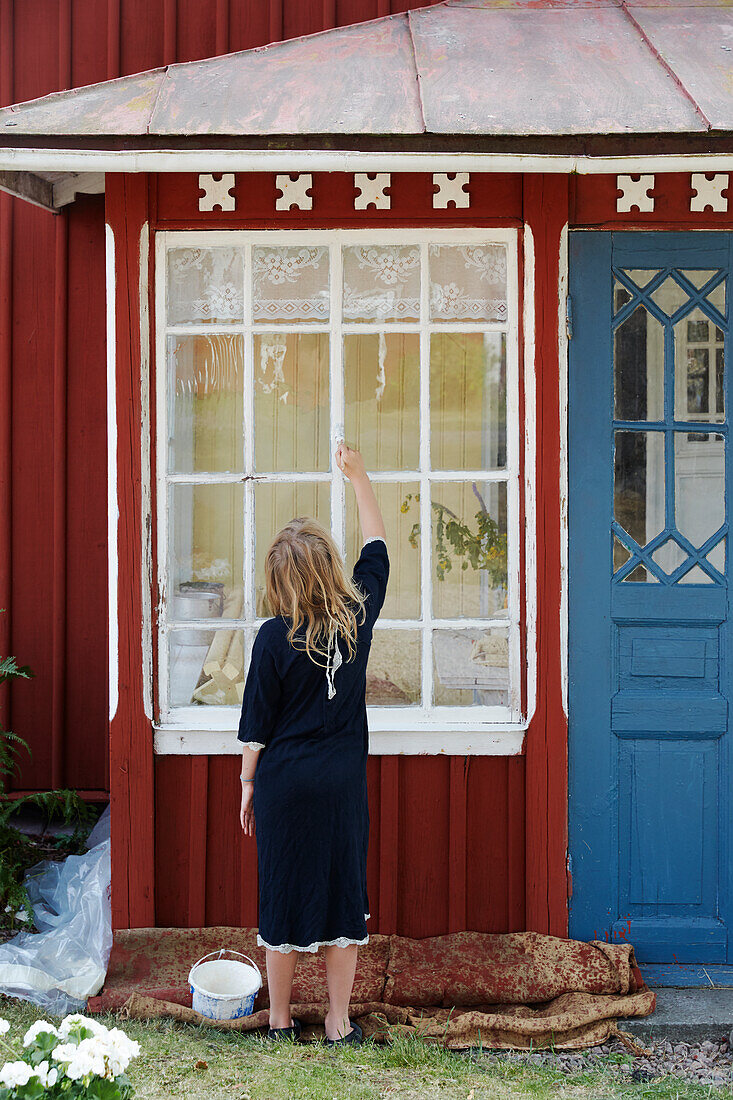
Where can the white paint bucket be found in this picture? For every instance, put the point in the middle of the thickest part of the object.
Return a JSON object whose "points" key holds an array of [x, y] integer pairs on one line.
{"points": [[224, 989]]}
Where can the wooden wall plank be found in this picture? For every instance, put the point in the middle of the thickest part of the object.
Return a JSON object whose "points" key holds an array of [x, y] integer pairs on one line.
{"points": [[457, 842], [226, 893], [423, 847], [198, 821], [172, 840], [389, 772], [546, 206]]}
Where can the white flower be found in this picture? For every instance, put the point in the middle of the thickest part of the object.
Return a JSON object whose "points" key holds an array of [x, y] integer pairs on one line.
{"points": [[4, 1026], [71, 1023], [47, 1076], [15, 1073], [40, 1027]]}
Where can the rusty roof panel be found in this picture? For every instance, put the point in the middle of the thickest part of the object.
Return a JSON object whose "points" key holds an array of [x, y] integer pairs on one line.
{"points": [[698, 45], [532, 71], [120, 106], [358, 79]]}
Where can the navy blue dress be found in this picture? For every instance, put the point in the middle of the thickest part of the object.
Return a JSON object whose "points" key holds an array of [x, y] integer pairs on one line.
{"points": [[310, 789]]}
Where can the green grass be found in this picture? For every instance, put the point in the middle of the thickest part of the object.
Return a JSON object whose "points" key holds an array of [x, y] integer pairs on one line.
{"points": [[199, 1063]]}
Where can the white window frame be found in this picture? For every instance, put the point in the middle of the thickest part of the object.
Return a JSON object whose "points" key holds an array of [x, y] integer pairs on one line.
{"points": [[478, 730]]}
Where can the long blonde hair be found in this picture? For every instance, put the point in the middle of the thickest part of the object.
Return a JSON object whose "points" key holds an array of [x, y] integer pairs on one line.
{"points": [[305, 581]]}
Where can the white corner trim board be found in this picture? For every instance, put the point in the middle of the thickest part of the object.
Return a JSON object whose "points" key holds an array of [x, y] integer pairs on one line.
{"points": [[113, 511]]}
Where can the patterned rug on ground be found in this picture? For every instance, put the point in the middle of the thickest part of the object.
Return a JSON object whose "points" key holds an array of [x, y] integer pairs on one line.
{"points": [[464, 989]]}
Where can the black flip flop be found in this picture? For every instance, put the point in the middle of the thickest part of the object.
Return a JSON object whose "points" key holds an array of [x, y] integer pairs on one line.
{"points": [[354, 1037], [280, 1033]]}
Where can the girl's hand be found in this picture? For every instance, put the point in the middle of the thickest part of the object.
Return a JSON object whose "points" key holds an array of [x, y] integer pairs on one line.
{"points": [[350, 462], [246, 813]]}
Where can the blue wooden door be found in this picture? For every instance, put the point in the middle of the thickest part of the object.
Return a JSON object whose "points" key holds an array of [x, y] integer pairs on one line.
{"points": [[650, 646]]}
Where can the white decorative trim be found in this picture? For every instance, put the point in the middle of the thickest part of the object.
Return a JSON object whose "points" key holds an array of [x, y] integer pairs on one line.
{"points": [[563, 353], [294, 191], [709, 192], [217, 192], [286, 948], [113, 510], [477, 741], [348, 160], [372, 191], [451, 189], [252, 744], [635, 193], [373, 538]]}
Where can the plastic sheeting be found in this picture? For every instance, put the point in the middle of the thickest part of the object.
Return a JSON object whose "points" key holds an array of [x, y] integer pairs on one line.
{"points": [[63, 964]]}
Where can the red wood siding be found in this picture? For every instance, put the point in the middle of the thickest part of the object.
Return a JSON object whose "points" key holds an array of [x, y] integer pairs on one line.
{"points": [[450, 837], [432, 828], [53, 493]]}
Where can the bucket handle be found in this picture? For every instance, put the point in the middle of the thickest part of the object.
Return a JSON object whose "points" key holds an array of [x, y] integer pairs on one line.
{"points": [[230, 951]]}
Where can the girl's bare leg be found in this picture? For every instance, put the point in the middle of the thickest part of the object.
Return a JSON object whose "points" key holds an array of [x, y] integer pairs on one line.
{"points": [[340, 971], [280, 971]]}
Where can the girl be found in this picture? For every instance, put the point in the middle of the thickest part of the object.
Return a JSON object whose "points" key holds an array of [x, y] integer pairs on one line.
{"points": [[304, 729]]}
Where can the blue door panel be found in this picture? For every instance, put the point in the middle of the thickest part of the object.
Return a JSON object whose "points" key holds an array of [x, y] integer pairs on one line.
{"points": [[649, 603]]}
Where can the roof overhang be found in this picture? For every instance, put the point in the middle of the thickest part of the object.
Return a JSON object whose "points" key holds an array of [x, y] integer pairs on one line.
{"points": [[479, 85]]}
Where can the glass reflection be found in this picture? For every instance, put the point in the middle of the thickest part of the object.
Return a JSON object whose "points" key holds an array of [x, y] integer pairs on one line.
{"points": [[291, 377], [469, 552], [638, 502], [206, 667], [205, 551], [382, 392], [205, 394], [394, 670], [471, 667], [468, 400]]}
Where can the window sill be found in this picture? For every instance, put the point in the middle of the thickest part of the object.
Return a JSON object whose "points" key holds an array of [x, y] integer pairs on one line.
{"points": [[490, 740]]}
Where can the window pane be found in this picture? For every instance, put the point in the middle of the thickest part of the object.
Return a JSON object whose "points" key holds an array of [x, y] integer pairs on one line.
{"points": [[291, 401], [290, 284], [381, 283], [638, 366], [699, 475], [469, 553], [699, 348], [468, 282], [393, 672], [205, 551], [276, 505], [403, 541], [206, 667], [205, 285], [638, 501], [468, 400], [382, 384], [471, 667], [205, 394]]}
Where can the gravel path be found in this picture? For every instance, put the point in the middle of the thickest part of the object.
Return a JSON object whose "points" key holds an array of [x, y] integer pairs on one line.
{"points": [[707, 1063]]}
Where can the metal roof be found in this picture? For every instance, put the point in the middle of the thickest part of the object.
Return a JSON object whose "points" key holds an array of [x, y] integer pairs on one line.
{"points": [[488, 67], [460, 70]]}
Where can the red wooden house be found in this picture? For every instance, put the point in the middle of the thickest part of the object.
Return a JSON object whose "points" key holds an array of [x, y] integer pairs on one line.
{"points": [[490, 243]]}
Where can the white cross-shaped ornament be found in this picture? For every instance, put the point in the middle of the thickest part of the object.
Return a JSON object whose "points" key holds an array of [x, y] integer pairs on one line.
{"points": [[372, 190], [635, 193], [294, 192], [451, 189], [217, 192], [709, 192]]}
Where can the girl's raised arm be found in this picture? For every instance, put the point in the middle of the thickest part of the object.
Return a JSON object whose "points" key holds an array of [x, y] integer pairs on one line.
{"points": [[351, 465]]}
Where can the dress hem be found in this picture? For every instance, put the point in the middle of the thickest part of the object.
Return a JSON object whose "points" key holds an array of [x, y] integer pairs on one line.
{"points": [[286, 948]]}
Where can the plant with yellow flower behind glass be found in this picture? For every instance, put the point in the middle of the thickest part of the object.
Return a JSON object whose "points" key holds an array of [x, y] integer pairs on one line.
{"points": [[484, 548]]}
